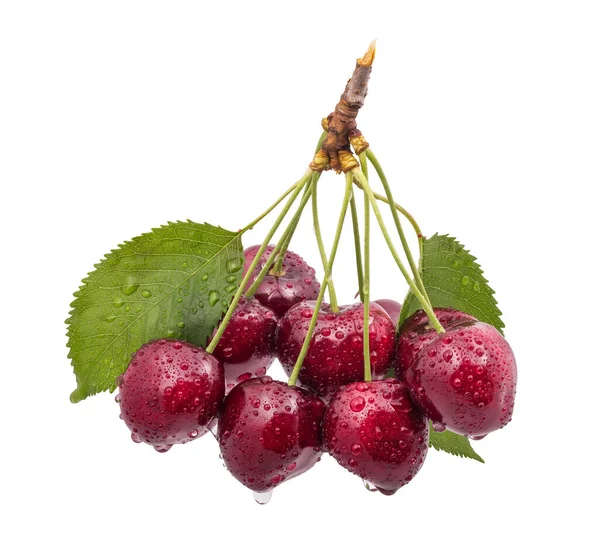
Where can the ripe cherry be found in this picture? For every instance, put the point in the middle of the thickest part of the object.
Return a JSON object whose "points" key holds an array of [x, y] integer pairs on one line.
{"points": [[297, 281], [464, 379], [269, 432], [170, 393], [247, 347], [374, 430], [335, 355]]}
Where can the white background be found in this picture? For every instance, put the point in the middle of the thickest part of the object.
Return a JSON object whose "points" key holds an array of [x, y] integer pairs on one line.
{"points": [[116, 117]]}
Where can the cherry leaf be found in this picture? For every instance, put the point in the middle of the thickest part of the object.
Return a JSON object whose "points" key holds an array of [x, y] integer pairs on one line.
{"points": [[173, 282], [453, 278], [453, 443]]}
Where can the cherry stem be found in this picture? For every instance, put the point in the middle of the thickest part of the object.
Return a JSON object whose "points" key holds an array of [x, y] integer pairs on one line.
{"points": [[281, 245], [390, 196], [415, 290], [327, 276], [236, 298], [357, 249], [251, 225], [367, 274], [317, 227], [404, 212]]}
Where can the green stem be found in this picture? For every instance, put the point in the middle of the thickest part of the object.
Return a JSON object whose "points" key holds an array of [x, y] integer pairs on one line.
{"points": [[404, 212], [367, 275], [236, 298], [251, 225], [357, 251], [286, 238], [279, 248], [317, 228], [390, 196], [328, 270], [415, 290]]}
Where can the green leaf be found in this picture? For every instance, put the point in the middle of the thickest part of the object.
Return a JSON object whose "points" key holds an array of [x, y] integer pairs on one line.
{"points": [[454, 279], [175, 281], [453, 443]]}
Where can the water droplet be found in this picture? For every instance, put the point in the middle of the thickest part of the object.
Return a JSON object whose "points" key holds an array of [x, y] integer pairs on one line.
{"points": [[180, 325], [146, 293], [465, 281], [230, 288], [230, 278], [263, 498], [194, 433], [204, 277], [233, 265], [111, 318], [163, 448], [137, 439], [369, 486], [118, 302], [213, 298], [356, 449], [357, 404], [438, 427], [129, 289]]}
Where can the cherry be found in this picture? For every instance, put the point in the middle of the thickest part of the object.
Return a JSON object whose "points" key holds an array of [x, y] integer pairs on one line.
{"points": [[374, 430], [464, 379], [416, 333], [279, 292], [247, 347], [170, 393], [392, 307], [335, 355], [269, 432]]}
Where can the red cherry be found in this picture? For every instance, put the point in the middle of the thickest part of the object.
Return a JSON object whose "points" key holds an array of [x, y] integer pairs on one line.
{"points": [[335, 355], [464, 379], [270, 432], [374, 430], [279, 292], [247, 347], [170, 393]]}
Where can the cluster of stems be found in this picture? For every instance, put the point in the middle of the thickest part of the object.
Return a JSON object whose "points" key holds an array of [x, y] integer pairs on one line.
{"points": [[306, 189]]}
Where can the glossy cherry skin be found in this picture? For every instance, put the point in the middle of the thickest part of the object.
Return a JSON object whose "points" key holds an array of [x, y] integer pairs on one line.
{"points": [[279, 293], [170, 393], [374, 430], [270, 432], [416, 332], [392, 307], [335, 355], [247, 347], [465, 379]]}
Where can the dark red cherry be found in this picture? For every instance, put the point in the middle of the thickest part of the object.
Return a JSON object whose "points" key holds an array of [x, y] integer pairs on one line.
{"points": [[170, 393], [464, 379], [270, 432], [279, 292], [374, 430], [247, 347], [335, 355]]}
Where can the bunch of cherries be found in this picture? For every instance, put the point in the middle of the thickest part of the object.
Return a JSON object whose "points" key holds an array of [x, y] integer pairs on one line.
{"points": [[463, 379]]}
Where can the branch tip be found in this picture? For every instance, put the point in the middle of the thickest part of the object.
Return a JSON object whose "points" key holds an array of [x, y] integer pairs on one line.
{"points": [[369, 56]]}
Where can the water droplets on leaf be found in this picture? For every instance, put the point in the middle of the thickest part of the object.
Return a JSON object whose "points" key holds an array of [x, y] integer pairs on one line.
{"points": [[213, 298], [146, 293]]}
